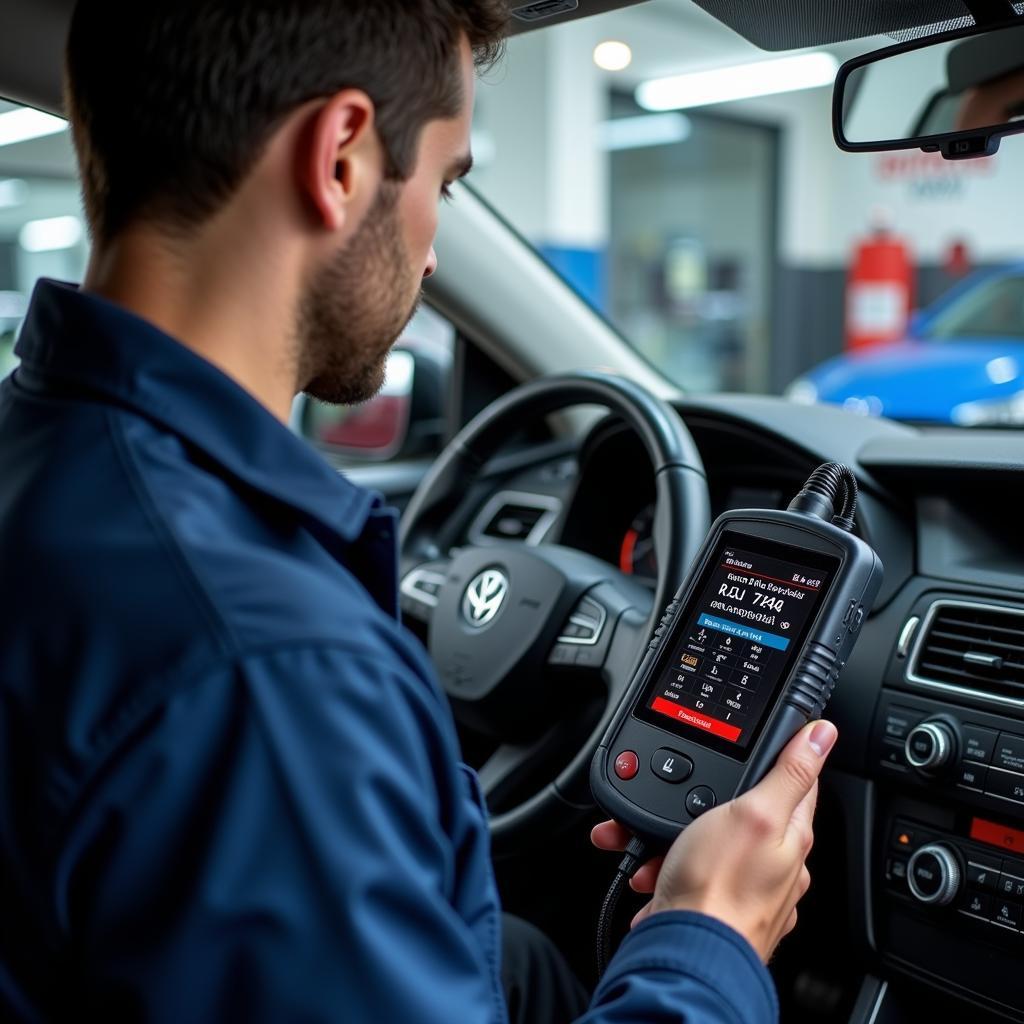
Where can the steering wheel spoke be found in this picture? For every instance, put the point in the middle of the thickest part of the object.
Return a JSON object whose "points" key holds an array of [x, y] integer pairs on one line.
{"points": [[420, 590], [584, 637], [511, 764]]}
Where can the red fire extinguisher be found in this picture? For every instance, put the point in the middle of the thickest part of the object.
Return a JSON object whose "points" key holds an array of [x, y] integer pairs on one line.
{"points": [[879, 291]]}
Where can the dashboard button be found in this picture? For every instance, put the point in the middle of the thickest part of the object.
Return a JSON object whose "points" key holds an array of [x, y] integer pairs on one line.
{"points": [[896, 870], [700, 799], [671, 766], [627, 764], [893, 756], [1006, 912], [903, 837], [972, 776], [1010, 752], [1011, 884], [982, 876], [898, 722], [1008, 785], [979, 743], [977, 904]]}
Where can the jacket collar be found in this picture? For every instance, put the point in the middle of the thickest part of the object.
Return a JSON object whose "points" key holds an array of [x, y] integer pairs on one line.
{"points": [[87, 342]]}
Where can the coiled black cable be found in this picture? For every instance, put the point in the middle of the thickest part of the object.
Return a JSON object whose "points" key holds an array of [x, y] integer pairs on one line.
{"points": [[830, 494], [632, 858]]}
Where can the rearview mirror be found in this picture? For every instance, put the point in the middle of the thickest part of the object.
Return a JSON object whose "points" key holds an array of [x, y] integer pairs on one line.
{"points": [[956, 94]]}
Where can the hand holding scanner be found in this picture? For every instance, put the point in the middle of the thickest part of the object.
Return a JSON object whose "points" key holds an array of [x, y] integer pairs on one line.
{"points": [[748, 652]]}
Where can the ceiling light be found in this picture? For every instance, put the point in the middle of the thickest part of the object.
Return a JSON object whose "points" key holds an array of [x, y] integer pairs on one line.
{"points": [[739, 82], [611, 55], [50, 234], [645, 130], [26, 123]]}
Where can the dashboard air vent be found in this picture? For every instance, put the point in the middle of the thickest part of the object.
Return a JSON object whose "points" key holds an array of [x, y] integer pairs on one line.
{"points": [[515, 516], [978, 648], [514, 522]]}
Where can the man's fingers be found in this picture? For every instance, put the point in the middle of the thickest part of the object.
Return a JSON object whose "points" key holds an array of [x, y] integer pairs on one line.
{"points": [[610, 835], [647, 876], [791, 780]]}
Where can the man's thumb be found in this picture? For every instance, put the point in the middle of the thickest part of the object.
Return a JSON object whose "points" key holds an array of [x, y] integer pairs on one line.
{"points": [[797, 768]]}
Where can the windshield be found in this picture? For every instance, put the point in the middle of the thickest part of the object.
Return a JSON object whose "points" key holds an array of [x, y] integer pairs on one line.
{"points": [[729, 240]]}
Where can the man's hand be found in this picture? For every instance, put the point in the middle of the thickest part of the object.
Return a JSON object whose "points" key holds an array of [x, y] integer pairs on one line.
{"points": [[743, 862]]}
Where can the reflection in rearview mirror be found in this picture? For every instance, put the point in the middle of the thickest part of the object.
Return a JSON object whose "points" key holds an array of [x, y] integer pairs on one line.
{"points": [[958, 94]]}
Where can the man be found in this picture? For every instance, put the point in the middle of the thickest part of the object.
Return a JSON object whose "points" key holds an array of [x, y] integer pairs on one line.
{"points": [[230, 785]]}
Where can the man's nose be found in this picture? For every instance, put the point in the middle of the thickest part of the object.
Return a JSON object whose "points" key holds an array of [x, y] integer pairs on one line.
{"points": [[431, 266]]}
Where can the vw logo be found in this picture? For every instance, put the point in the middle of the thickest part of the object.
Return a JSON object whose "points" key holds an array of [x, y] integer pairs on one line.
{"points": [[484, 597]]}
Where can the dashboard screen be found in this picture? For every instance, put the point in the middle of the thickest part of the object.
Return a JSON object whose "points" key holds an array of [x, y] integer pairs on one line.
{"points": [[736, 643]]}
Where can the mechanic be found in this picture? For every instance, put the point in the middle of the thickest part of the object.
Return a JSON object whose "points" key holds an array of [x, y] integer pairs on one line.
{"points": [[230, 785]]}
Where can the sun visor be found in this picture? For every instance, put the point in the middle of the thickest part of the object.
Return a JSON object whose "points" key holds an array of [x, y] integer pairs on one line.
{"points": [[791, 24]]}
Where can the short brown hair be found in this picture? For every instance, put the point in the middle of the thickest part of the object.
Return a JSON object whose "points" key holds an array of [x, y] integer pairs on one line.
{"points": [[173, 101]]}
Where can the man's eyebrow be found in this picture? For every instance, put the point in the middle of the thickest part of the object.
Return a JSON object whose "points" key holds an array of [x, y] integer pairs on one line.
{"points": [[461, 167]]}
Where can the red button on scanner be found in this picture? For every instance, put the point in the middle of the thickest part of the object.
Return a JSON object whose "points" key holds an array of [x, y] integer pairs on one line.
{"points": [[627, 764]]}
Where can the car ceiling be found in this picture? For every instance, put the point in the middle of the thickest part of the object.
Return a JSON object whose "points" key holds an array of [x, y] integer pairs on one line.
{"points": [[34, 29]]}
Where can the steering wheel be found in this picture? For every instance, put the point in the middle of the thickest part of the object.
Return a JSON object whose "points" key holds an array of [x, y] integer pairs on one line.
{"points": [[507, 622]]}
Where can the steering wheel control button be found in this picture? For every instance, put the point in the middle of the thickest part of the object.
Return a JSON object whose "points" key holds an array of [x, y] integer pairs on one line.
{"points": [[929, 746], [627, 764], [671, 766], [699, 800], [934, 875]]}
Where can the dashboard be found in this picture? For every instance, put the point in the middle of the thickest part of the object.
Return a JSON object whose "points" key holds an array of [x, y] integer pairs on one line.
{"points": [[919, 862]]}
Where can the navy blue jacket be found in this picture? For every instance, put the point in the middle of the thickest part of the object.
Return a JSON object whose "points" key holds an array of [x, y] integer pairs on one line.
{"points": [[230, 785]]}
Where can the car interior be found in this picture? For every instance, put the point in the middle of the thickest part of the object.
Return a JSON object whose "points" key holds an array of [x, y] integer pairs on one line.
{"points": [[523, 424]]}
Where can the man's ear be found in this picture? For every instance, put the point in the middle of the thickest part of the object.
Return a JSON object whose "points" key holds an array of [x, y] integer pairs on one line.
{"points": [[342, 163]]}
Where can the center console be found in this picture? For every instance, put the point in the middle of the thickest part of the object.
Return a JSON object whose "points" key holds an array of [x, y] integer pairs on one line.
{"points": [[947, 754]]}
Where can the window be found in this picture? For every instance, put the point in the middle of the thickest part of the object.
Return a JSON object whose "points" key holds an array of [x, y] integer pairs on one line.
{"points": [[407, 419], [42, 231], [732, 243]]}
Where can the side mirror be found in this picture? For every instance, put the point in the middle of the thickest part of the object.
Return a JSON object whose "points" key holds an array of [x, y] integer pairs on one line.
{"points": [[957, 94], [404, 420]]}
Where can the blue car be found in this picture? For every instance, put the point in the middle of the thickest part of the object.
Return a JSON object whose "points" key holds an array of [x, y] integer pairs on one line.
{"points": [[961, 363]]}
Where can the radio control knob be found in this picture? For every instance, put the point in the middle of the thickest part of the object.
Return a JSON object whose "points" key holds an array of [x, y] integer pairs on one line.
{"points": [[933, 875], [930, 745]]}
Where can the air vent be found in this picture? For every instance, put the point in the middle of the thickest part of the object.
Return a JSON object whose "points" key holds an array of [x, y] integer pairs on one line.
{"points": [[515, 516], [974, 648], [541, 9]]}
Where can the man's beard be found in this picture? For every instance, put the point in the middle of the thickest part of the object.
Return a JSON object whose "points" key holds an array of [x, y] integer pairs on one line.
{"points": [[355, 308]]}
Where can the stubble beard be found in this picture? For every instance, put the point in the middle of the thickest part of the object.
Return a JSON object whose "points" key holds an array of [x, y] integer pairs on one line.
{"points": [[355, 308]]}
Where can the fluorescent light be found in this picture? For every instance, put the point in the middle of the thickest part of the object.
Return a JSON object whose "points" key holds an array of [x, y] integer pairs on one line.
{"points": [[50, 234], [611, 55], [12, 192], [26, 123], [739, 82], [645, 130]]}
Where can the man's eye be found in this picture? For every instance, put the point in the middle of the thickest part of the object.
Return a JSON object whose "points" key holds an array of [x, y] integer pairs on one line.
{"points": [[446, 193]]}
